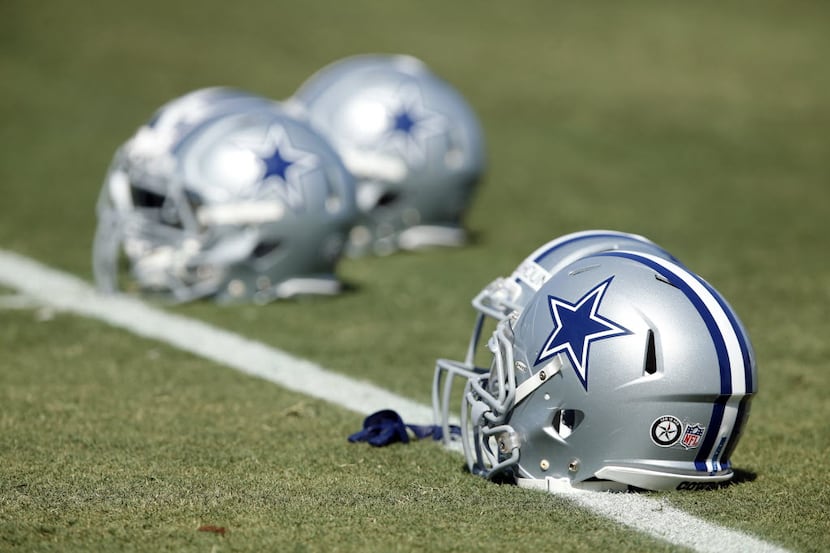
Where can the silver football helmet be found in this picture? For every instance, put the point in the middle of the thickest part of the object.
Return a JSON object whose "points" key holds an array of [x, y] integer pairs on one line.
{"points": [[624, 369], [249, 204], [412, 141], [506, 295]]}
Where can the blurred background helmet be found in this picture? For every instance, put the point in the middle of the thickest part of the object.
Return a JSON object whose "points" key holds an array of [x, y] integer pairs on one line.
{"points": [[624, 369], [411, 140], [247, 203], [507, 295]]}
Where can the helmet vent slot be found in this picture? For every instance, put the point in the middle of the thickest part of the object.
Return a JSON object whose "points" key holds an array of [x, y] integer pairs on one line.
{"points": [[583, 270], [264, 248], [565, 421], [387, 198], [665, 280], [651, 354]]}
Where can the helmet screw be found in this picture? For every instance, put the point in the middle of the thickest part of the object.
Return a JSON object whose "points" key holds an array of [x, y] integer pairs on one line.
{"points": [[542, 375], [544, 464], [573, 466], [236, 288]]}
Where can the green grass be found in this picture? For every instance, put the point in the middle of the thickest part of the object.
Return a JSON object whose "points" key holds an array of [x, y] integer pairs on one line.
{"points": [[700, 125], [138, 448]]}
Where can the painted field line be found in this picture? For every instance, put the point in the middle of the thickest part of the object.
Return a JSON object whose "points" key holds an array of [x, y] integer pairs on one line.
{"points": [[67, 293]]}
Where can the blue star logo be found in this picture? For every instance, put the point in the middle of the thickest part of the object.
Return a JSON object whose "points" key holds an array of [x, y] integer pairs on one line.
{"points": [[283, 168], [276, 165], [576, 326], [404, 122], [410, 123]]}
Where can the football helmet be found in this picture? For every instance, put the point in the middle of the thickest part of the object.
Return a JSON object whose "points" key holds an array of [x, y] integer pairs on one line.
{"points": [[249, 204], [624, 369], [410, 139], [503, 296]]}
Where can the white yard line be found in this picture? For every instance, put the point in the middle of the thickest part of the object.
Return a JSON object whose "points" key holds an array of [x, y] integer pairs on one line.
{"points": [[68, 293], [65, 292], [660, 520]]}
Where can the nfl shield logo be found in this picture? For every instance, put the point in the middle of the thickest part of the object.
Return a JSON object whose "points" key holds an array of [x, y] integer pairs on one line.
{"points": [[692, 435]]}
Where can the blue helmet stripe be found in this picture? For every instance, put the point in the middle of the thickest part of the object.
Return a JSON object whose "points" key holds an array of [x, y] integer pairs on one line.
{"points": [[709, 442], [718, 340]]}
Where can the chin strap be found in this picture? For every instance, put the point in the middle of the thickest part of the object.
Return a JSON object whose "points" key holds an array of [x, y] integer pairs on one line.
{"points": [[386, 427]]}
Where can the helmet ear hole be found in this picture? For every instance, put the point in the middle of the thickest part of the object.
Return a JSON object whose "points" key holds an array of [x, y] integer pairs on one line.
{"points": [[146, 198], [565, 421]]}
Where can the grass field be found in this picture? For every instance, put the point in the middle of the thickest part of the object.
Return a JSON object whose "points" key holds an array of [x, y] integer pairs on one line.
{"points": [[703, 126]]}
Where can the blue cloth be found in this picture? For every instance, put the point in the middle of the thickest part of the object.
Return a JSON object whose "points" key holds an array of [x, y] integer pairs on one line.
{"points": [[386, 427]]}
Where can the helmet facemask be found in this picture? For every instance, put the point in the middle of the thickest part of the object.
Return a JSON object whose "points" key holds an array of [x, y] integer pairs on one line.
{"points": [[490, 445]]}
